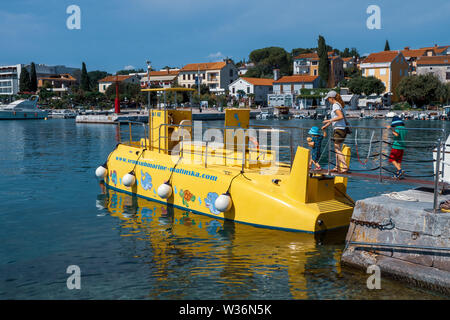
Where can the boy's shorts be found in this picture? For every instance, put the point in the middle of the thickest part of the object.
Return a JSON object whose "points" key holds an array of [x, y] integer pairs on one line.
{"points": [[396, 155]]}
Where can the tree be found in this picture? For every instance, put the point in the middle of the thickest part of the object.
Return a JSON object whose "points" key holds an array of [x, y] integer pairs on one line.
{"points": [[128, 71], [96, 75], [421, 89], [85, 82], [324, 62], [295, 52], [267, 59], [33, 78], [373, 85], [386, 46], [24, 81], [366, 85]]}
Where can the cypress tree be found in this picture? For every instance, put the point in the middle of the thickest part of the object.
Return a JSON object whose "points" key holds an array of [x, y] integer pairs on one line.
{"points": [[24, 81], [324, 62], [386, 46], [33, 78], [85, 83]]}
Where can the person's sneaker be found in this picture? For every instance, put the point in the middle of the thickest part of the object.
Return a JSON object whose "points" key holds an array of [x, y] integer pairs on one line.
{"points": [[400, 174]]}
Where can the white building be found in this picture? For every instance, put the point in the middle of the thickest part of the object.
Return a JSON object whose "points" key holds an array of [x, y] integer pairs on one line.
{"points": [[104, 83], [163, 78], [286, 90], [260, 87], [9, 79], [244, 68], [216, 75]]}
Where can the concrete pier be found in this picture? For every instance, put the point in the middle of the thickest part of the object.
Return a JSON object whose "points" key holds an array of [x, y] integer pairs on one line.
{"points": [[113, 118], [411, 243]]}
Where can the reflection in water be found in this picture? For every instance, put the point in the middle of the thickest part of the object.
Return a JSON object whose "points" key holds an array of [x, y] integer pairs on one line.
{"points": [[240, 260]]}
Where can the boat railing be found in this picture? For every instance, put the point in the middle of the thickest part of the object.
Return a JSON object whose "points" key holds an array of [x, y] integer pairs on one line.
{"points": [[282, 154], [129, 140]]}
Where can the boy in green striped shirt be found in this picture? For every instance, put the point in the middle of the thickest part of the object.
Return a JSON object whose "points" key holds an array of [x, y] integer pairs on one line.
{"points": [[398, 146]]}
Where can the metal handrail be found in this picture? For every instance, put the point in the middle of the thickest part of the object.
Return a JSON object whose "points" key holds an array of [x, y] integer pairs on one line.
{"points": [[130, 123]]}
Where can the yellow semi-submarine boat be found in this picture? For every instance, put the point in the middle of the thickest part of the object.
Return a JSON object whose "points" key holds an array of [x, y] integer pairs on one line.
{"points": [[234, 179]]}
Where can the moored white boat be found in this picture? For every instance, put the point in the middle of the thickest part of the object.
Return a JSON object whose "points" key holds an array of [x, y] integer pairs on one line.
{"points": [[22, 110]]}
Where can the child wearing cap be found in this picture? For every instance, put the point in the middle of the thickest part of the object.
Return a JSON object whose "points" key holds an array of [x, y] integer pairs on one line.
{"points": [[315, 142], [398, 145]]}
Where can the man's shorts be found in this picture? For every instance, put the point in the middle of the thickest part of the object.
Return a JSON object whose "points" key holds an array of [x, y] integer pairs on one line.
{"points": [[396, 155]]}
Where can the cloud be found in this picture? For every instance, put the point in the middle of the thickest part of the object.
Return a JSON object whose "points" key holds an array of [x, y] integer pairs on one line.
{"points": [[129, 67], [217, 55]]}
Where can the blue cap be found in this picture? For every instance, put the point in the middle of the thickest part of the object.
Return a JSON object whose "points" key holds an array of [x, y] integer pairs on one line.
{"points": [[397, 121], [315, 131]]}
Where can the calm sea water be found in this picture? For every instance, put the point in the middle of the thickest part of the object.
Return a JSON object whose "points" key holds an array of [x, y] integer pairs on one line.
{"points": [[54, 213]]}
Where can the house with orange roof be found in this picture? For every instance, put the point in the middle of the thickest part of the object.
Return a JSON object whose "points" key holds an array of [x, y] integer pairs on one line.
{"points": [[308, 64], [287, 88], [259, 87], [437, 65], [216, 75], [439, 50], [388, 66], [411, 56], [60, 83], [104, 83], [163, 78]]}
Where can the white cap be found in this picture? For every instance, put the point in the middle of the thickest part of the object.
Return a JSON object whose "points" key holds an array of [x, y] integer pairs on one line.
{"points": [[331, 94]]}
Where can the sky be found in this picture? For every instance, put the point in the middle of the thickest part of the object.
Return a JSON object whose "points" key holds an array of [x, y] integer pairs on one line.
{"points": [[120, 34]]}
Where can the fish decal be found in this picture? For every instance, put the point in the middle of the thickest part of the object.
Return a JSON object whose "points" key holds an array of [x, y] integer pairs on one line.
{"points": [[146, 181], [209, 202], [113, 176]]}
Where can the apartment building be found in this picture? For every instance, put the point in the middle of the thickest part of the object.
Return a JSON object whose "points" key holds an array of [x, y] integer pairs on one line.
{"points": [[163, 78], [308, 64], [388, 66], [9, 79], [216, 75]]}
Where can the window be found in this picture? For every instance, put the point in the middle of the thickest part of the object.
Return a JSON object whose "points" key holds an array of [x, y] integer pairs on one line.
{"points": [[382, 71], [315, 72], [447, 76], [371, 72], [248, 89], [233, 90], [184, 77]]}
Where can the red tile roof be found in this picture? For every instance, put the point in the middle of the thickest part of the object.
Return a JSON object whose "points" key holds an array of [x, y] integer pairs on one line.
{"points": [[115, 78], [380, 57], [204, 66], [314, 55], [259, 81], [296, 79], [307, 56], [437, 49], [414, 52], [164, 73], [434, 60]]}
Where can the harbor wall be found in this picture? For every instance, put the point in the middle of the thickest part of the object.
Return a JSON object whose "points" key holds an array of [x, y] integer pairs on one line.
{"points": [[411, 243]]}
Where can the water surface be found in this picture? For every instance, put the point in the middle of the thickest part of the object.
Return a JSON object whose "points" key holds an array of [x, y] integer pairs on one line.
{"points": [[54, 213]]}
